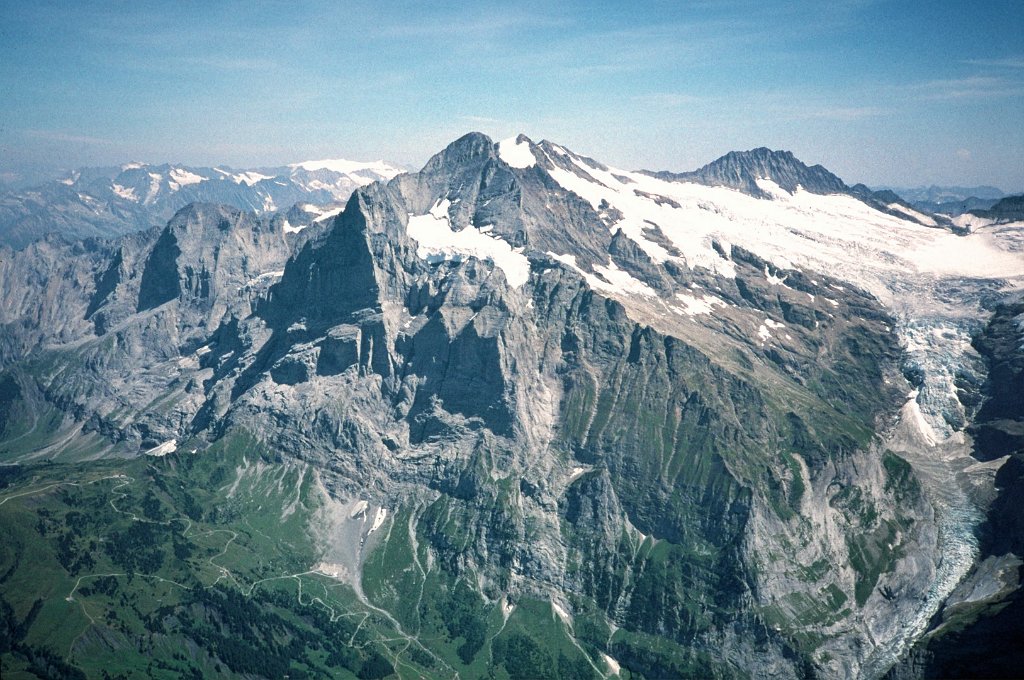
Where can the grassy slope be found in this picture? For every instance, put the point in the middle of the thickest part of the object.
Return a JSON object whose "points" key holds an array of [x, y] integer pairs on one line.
{"points": [[190, 566]]}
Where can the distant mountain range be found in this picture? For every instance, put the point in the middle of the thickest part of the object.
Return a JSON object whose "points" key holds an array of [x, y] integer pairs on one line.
{"points": [[948, 200], [106, 202], [947, 194]]}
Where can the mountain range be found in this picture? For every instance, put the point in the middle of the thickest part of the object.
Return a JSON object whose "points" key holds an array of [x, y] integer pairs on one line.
{"points": [[519, 414], [951, 200], [107, 202]]}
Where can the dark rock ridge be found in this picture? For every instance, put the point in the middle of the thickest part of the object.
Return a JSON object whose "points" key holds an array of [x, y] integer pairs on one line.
{"points": [[944, 194], [1008, 209], [954, 208], [741, 170]]}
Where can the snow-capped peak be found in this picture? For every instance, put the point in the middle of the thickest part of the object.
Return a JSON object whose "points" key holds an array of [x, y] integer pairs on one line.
{"points": [[797, 227]]}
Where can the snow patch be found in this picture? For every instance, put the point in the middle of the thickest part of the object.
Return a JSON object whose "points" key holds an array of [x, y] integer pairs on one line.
{"points": [[168, 446], [561, 613], [608, 278], [773, 279], [622, 281], [763, 331], [770, 187], [264, 276], [576, 473], [154, 186], [125, 193], [358, 508], [913, 214], [183, 177], [702, 305], [437, 243], [516, 154], [249, 178], [326, 215], [378, 520]]}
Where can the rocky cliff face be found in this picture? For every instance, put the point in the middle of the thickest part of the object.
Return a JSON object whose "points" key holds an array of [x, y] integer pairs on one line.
{"points": [[677, 413]]}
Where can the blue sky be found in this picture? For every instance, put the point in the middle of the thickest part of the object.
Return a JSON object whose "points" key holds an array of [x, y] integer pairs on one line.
{"points": [[901, 93]]}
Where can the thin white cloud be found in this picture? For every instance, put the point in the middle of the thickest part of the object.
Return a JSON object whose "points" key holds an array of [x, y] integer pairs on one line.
{"points": [[231, 63], [788, 105], [480, 120], [674, 100], [471, 28], [71, 138], [1003, 62], [969, 87]]}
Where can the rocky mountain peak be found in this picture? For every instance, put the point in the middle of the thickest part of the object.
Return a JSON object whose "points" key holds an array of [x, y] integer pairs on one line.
{"points": [[471, 147], [742, 169], [207, 252]]}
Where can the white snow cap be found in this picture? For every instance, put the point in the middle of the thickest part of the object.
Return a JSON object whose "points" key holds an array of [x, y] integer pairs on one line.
{"points": [[516, 152]]}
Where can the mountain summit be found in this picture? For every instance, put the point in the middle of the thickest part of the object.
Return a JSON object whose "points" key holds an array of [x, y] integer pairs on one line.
{"points": [[742, 169]]}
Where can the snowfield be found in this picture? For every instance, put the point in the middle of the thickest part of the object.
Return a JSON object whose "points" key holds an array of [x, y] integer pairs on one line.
{"points": [[437, 242]]}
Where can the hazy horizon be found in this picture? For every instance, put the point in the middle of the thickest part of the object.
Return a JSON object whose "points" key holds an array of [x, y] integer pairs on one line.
{"points": [[888, 94]]}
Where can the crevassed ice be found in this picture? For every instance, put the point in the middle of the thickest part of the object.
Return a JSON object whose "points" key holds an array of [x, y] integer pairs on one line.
{"points": [[835, 233]]}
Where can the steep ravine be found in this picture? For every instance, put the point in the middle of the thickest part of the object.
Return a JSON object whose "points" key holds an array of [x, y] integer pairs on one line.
{"points": [[977, 630]]}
